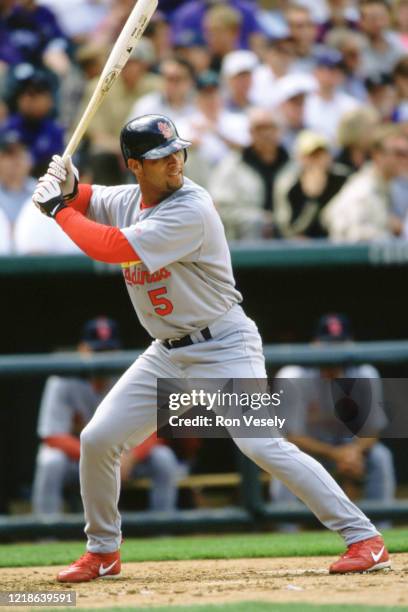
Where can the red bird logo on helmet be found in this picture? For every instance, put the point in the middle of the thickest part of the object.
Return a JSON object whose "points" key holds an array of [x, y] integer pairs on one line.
{"points": [[165, 129]]}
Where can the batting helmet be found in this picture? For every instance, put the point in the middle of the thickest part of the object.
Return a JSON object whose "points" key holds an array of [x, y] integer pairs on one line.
{"points": [[151, 137]]}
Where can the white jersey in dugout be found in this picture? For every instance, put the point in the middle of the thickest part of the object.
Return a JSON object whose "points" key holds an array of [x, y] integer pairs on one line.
{"points": [[185, 278]]}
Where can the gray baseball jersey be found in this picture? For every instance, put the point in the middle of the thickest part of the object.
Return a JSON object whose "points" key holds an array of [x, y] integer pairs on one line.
{"points": [[67, 404], [185, 280]]}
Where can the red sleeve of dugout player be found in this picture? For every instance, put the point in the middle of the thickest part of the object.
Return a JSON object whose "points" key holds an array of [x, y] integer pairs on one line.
{"points": [[70, 445], [101, 242], [142, 451]]}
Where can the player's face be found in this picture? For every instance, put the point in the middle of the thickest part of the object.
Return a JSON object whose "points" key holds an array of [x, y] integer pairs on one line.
{"points": [[165, 173]]}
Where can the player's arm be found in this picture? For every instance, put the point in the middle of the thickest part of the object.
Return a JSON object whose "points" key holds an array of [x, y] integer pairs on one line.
{"points": [[101, 242], [69, 444]]}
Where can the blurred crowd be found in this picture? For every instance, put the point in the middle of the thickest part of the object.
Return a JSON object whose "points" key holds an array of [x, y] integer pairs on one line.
{"points": [[297, 111]]}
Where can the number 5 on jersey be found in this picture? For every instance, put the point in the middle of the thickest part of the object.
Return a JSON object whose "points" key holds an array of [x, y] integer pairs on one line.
{"points": [[163, 305]]}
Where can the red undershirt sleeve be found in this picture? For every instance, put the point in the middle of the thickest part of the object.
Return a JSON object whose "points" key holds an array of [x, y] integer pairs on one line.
{"points": [[82, 199], [101, 242], [70, 445]]}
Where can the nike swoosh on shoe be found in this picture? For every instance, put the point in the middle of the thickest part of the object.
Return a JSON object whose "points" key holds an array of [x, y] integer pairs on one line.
{"points": [[105, 570], [377, 557]]}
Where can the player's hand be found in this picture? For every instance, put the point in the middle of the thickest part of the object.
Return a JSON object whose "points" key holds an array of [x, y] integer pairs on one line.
{"points": [[66, 174], [349, 460], [48, 197]]}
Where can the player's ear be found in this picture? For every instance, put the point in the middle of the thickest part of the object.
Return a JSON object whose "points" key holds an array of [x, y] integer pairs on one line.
{"points": [[135, 165]]}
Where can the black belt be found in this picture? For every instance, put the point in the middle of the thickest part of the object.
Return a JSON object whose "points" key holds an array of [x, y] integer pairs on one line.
{"points": [[186, 340]]}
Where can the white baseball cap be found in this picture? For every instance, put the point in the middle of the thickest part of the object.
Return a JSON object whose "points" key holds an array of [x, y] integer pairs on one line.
{"points": [[292, 85], [237, 62]]}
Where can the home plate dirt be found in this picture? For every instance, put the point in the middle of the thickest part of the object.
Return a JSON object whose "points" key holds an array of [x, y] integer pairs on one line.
{"points": [[294, 579]]}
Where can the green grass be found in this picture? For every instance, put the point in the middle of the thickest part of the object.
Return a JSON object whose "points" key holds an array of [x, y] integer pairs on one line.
{"points": [[249, 606], [196, 547]]}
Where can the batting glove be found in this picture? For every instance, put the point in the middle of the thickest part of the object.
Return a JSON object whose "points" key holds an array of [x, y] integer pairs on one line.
{"points": [[66, 174], [48, 197]]}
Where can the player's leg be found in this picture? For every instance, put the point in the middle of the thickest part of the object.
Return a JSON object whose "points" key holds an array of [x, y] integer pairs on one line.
{"points": [[50, 471], [163, 469], [380, 474], [125, 418], [237, 353]]}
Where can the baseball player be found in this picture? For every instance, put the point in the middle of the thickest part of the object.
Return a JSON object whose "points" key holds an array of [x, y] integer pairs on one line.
{"points": [[67, 405], [316, 428], [170, 241]]}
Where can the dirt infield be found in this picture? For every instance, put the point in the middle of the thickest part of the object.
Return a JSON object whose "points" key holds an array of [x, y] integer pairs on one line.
{"points": [[219, 581]]}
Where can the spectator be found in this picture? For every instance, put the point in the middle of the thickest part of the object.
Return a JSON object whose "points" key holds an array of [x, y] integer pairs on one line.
{"points": [[35, 234], [303, 32], [272, 17], [277, 61], [34, 36], [289, 100], [351, 46], [381, 95], [354, 136], [159, 33], [325, 107], [222, 30], [242, 185], [236, 73], [362, 210], [384, 47], [169, 6], [211, 128], [190, 18], [32, 120], [109, 29], [134, 82], [194, 50], [340, 16], [400, 76], [8, 53], [400, 16], [78, 18], [89, 63], [5, 235], [176, 98], [16, 184], [317, 428], [303, 190]]}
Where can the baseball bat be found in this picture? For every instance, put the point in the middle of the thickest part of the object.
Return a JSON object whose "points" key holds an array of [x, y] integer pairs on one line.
{"points": [[126, 42]]}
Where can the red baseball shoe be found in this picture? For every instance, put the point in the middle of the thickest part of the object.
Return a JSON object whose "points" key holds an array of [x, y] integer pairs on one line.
{"points": [[364, 556], [91, 566]]}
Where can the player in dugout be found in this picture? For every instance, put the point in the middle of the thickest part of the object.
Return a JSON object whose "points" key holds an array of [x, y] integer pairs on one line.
{"points": [[67, 406], [170, 241]]}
